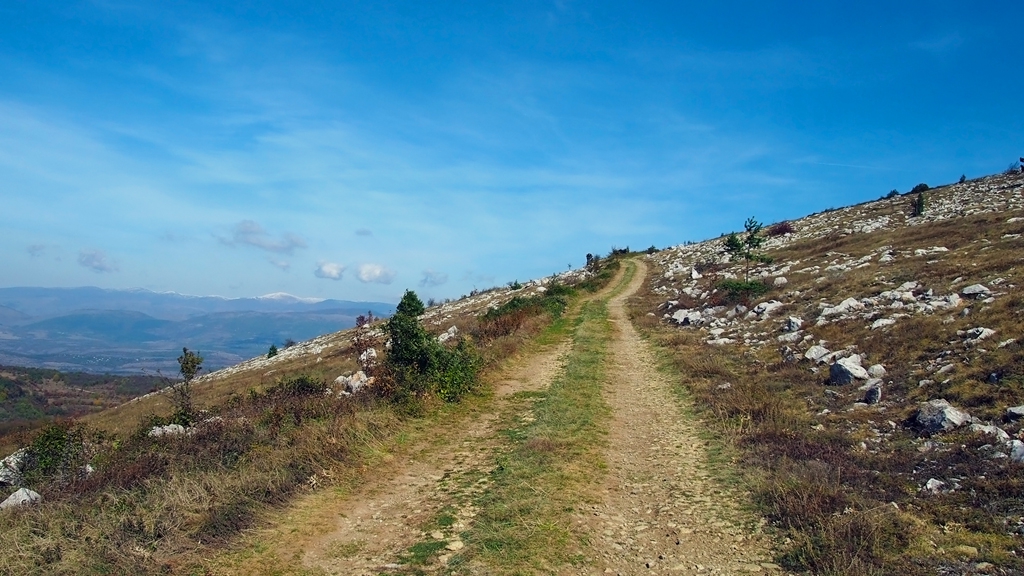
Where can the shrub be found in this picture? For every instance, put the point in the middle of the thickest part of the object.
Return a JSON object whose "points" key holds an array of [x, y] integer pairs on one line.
{"points": [[893, 193], [418, 364], [57, 454], [963, 178], [1013, 168], [919, 188], [651, 250], [781, 229], [272, 352], [181, 394], [742, 291]]}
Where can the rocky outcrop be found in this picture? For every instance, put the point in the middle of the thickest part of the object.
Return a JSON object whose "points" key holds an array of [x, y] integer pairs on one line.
{"points": [[846, 370], [12, 468]]}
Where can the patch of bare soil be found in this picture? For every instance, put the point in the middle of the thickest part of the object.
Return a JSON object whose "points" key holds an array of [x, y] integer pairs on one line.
{"points": [[661, 509], [370, 530]]}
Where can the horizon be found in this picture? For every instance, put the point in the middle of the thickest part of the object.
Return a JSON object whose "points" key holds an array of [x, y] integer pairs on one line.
{"points": [[354, 152]]}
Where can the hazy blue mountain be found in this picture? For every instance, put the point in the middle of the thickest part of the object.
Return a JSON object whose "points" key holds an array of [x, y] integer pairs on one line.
{"points": [[131, 331]]}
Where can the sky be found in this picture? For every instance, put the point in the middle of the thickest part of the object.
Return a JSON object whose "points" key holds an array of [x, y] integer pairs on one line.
{"points": [[354, 150]]}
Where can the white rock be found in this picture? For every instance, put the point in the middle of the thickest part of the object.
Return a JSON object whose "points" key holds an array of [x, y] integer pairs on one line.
{"points": [[369, 357], [22, 497], [976, 291], [687, 317], [938, 416], [934, 486], [845, 370], [767, 307], [976, 334], [792, 324], [1016, 450], [843, 307], [448, 334], [695, 275], [876, 371], [11, 468], [168, 430], [882, 323], [816, 353], [993, 431], [780, 281]]}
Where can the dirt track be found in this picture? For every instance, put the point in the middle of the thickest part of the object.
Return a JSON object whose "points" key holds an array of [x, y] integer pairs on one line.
{"points": [[658, 508]]}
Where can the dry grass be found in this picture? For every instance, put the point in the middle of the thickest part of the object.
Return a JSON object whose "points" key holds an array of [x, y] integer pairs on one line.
{"points": [[828, 479]]}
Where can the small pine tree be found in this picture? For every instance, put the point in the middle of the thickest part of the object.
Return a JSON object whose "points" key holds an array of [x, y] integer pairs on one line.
{"points": [[272, 352], [190, 364], [746, 247], [919, 205], [963, 178]]}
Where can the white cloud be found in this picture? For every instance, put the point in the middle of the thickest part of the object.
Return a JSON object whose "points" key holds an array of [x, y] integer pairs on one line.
{"points": [[376, 274], [250, 233], [282, 264], [329, 270], [432, 278], [96, 260]]}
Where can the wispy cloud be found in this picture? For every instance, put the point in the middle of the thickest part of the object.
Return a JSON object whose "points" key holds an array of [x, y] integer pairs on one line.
{"points": [[96, 260], [376, 274], [329, 270], [36, 250], [364, 232], [250, 233], [432, 278], [282, 264]]}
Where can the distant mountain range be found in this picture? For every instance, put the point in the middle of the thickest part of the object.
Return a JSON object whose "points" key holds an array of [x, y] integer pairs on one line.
{"points": [[131, 331]]}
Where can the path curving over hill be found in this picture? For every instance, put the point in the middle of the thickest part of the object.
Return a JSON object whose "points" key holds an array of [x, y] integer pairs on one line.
{"points": [[659, 506]]}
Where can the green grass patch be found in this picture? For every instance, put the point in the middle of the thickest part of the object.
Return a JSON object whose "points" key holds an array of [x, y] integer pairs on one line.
{"points": [[523, 525]]}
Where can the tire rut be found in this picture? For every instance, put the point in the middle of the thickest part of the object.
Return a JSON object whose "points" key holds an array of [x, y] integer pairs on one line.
{"points": [[660, 507]]}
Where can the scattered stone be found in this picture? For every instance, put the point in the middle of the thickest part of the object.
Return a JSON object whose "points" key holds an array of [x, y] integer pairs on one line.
{"points": [[766, 307], [938, 416], [780, 281], [873, 395], [368, 358], [845, 306], [976, 291], [816, 353], [934, 486], [882, 323], [845, 370], [687, 317], [792, 324], [22, 497], [354, 383], [695, 275], [994, 431], [876, 371], [455, 545], [1014, 413], [11, 468], [168, 430], [1016, 450], [976, 334], [448, 334]]}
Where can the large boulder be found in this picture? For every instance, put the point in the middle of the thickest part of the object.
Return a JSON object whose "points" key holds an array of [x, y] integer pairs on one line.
{"points": [[846, 370], [767, 307], [938, 415], [354, 383], [816, 353], [22, 497], [687, 317], [976, 291]]}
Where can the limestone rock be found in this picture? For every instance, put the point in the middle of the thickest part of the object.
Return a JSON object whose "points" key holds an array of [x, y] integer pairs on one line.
{"points": [[448, 334], [11, 468], [876, 371], [168, 430], [1015, 413], [938, 416], [368, 358], [882, 323], [845, 370], [687, 317], [792, 324], [780, 281], [22, 497], [873, 395], [976, 334], [994, 431], [976, 291], [816, 353], [766, 307], [1016, 450]]}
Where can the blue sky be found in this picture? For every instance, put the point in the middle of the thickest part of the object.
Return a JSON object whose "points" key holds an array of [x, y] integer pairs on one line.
{"points": [[355, 149]]}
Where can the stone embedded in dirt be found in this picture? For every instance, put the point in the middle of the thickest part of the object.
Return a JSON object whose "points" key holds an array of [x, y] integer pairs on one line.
{"points": [[792, 324], [994, 431], [22, 497], [368, 358], [977, 334], [354, 383], [694, 275], [876, 371], [766, 307], [845, 370], [780, 281], [816, 353], [934, 486], [448, 334], [938, 416], [687, 317], [848, 305], [882, 323], [976, 291], [11, 468], [1016, 450], [455, 545], [873, 395], [1015, 413], [168, 430]]}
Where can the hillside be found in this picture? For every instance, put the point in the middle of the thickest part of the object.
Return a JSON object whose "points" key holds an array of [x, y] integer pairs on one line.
{"points": [[846, 401], [835, 380]]}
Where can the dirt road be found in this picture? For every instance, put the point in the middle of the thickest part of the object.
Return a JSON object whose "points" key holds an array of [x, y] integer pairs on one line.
{"points": [[653, 506]]}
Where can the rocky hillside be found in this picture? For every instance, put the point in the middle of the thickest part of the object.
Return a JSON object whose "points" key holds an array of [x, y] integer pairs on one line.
{"points": [[877, 356]]}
